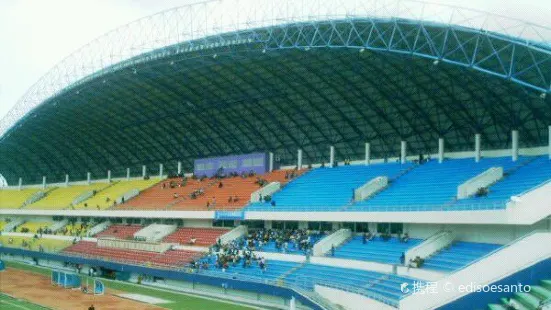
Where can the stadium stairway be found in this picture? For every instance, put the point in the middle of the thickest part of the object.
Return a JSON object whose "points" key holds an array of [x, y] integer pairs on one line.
{"points": [[379, 286], [327, 188], [458, 255], [376, 250], [527, 301], [432, 185]]}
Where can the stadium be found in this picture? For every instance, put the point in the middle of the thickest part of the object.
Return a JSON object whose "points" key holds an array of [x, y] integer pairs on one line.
{"points": [[272, 154]]}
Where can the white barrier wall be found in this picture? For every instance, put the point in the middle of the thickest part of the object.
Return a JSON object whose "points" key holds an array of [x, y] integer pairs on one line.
{"points": [[485, 179], [155, 232], [58, 225], [133, 245], [350, 301], [370, 188], [233, 234], [517, 256], [430, 246], [531, 206], [265, 191], [99, 228], [337, 238], [82, 197], [128, 195]]}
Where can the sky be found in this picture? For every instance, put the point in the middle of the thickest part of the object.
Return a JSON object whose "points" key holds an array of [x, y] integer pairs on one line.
{"points": [[37, 34]]}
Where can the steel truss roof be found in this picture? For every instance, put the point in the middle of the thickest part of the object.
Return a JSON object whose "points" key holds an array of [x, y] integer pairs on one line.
{"points": [[306, 84]]}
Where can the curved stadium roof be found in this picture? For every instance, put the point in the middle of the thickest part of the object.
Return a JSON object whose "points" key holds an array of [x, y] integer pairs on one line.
{"points": [[206, 80]]}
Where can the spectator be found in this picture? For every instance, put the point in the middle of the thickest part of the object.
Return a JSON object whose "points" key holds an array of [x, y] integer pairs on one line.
{"points": [[91, 307], [220, 185], [403, 258], [332, 250]]}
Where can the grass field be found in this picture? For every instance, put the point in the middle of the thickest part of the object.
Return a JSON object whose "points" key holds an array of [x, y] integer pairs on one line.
{"points": [[179, 301], [10, 303]]}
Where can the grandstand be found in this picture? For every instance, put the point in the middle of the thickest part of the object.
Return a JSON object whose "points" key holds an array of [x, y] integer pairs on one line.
{"points": [[63, 197], [113, 194], [247, 154], [15, 198]]}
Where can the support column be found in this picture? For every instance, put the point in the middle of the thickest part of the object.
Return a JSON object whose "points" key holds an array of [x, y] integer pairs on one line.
{"points": [[144, 171], [127, 174], [367, 153], [20, 183], [179, 167], [477, 138], [88, 178], [66, 180], [440, 150], [271, 161], [331, 156], [403, 152], [299, 159], [160, 171], [514, 145], [108, 176], [44, 182]]}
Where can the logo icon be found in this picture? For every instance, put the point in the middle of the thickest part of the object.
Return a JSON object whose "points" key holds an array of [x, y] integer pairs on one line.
{"points": [[404, 288]]}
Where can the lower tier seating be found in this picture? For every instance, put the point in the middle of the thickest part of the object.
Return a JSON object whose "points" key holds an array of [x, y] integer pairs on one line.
{"points": [[376, 250], [170, 258], [459, 255], [120, 231], [532, 300], [33, 227], [380, 286], [34, 244], [273, 271], [202, 236]]}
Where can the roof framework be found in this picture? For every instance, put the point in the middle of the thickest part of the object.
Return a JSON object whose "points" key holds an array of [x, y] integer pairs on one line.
{"points": [[304, 84]]}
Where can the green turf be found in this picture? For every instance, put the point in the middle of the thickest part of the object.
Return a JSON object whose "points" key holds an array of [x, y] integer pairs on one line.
{"points": [[180, 301], [10, 303]]}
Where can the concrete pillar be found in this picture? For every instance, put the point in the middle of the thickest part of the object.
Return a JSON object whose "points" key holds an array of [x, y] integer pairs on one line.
{"points": [[127, 174], [331, 156], [179, 167], [20, 183], [403, 152], [549, 137], [367, 153], [477, 151], [108, 176], [514, 145], [267, 224], [44, 182], [66, 180], [299, 159], [88, 178], [161, 171], [144, 170], [271, 161], [440, 150]]}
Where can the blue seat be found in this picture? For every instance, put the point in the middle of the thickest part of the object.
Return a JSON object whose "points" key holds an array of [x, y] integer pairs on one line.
{"points": [[458, 255]]}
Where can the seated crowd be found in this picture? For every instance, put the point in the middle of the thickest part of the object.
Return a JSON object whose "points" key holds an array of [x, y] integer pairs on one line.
{"points": [[284, 240]]}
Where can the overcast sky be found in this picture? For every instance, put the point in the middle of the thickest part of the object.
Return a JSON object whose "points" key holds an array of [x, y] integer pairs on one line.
{"points": [[37, 34]]}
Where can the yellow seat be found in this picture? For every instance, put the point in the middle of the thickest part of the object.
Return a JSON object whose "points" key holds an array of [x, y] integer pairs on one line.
{"points": [[48, 245], [106, 198], [33, 226], [13, 198], [62, 197]]}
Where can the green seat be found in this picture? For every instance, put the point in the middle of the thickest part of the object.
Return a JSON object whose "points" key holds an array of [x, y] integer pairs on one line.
{"points": [[541, 292], [496, 307]]}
